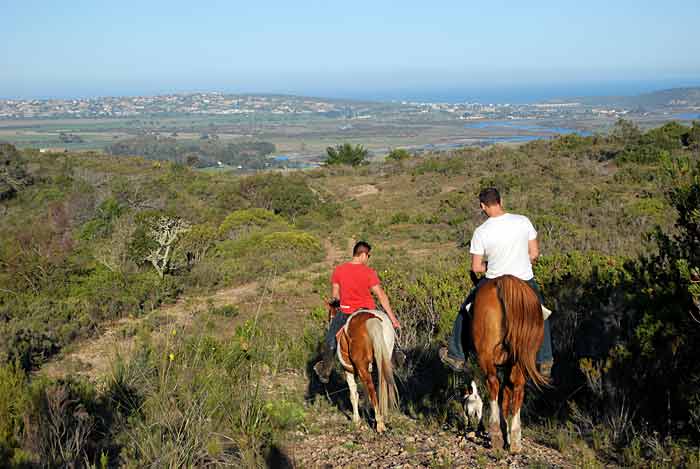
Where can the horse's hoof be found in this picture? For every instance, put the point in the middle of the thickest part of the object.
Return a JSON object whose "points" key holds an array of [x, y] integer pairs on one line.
{"points": [[516, 449], [496, 441], [381, 428]]}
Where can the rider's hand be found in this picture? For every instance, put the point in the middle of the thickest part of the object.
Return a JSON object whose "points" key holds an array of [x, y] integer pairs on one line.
{"points": [[396, 324]]}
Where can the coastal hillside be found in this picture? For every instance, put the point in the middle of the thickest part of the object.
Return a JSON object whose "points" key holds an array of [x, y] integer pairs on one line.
{"points": [[668, 98], [155, 315]]}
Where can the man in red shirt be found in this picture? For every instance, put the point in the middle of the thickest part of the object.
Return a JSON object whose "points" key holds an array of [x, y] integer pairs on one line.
{"points": [[352, 284]]}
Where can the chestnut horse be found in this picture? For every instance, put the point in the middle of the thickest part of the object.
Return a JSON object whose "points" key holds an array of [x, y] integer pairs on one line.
{"points": [[507, 330], [369, 336]]}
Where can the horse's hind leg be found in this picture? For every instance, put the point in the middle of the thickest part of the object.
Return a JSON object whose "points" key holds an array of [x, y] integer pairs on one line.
{"points": [[366, 378], [354, 397], [494, 419], [517, 379], [506, 409]]}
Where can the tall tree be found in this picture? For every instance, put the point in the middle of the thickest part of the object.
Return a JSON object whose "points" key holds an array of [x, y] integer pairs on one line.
{"points": [[348, 154]]}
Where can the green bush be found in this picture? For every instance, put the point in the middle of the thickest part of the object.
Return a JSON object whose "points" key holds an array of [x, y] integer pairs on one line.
{"points": [[28, 344], [398, 154], [347, 154], [13, 407], [199, 404], [399, 217], [250, 257], [288, 196], [53, 423], [440, 164], [243, 222], [101, 225], [227, 311], [285, 414]]}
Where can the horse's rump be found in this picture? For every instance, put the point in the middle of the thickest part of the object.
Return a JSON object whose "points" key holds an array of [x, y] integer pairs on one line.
{"points": [[508, 318], [368, 335], [358, 320], [508, 330]]}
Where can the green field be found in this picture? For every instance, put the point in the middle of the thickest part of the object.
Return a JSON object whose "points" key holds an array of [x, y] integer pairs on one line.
{"points": [[302, 135]]}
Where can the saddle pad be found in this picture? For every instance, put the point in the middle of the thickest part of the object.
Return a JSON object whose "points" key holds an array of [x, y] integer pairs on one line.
{"points": [[344, 329]]}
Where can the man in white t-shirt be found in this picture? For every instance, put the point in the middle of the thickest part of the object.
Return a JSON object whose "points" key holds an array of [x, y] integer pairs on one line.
{"points": [[505, 244]]}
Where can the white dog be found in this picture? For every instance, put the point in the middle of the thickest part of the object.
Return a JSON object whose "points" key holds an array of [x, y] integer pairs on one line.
{"points": [[474, 405]]}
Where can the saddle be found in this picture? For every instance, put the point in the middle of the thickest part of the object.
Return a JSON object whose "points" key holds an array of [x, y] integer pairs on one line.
{"points": [[343, 330]]}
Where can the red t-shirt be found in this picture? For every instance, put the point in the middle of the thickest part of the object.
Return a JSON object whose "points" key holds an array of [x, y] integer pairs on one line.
{"points": [[355, 281]]}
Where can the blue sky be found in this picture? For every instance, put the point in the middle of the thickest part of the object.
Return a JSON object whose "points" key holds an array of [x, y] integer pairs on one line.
{"points": [[374, 49]]}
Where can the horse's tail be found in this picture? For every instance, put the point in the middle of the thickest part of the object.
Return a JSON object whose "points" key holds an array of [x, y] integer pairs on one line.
{"points": [[523, 323], [388, 394]]}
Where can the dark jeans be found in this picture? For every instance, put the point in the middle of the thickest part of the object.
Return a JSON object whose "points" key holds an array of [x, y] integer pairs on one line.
{"points": [[337, 322], [454, 344]]}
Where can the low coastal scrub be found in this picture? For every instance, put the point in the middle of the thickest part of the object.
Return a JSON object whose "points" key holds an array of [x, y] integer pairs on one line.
{"points": [[87, 240]]}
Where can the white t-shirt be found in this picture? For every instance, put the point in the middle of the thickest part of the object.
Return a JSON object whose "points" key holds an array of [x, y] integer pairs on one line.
{"points": [[503, 242]]}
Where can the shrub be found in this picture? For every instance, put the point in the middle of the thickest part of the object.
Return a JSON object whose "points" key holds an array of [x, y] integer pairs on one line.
{"points": [[195, 244], [101, 225], [440, 164], [13, 173], [243, 222], [398, 154], [347, 154], [13, 405], [399, 217], [285, 414], [288, 196], [427, 300], [201, 405], [249, 257], [227, 311], [28, 345]]}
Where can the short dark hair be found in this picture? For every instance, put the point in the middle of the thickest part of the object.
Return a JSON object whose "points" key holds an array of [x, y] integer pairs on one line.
{"points": [[490, 196], [360, 247]]}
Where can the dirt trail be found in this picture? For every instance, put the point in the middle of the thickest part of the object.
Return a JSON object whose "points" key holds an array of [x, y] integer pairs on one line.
{"points": [[329, 440], [363, 190], [93, 357]]}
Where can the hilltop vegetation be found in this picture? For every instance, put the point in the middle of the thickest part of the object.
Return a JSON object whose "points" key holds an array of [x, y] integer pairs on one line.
{"points": [[208, 151], [89, 238]]}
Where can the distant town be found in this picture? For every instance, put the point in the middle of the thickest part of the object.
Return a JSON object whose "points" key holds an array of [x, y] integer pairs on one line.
{"points": [[226, 104], [253, 132]]}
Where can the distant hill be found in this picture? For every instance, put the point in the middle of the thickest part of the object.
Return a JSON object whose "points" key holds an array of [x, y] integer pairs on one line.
{"points": [[671, 97]]}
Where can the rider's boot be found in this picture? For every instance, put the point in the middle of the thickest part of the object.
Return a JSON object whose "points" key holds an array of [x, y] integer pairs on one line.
{"points": [[324, 367], [545, 368], [454, 363]]}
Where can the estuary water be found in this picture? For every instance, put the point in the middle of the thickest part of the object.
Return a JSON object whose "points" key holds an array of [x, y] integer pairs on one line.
{"points": [[525, 126], [687, 116], [509, 127]]}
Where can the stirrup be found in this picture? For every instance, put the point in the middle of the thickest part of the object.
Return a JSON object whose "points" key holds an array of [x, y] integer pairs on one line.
{"points": [[322, 371], [545, 368]]}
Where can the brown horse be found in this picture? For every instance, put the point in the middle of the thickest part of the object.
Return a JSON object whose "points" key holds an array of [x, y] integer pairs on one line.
{"points": [[366, 337], [507, 330]]}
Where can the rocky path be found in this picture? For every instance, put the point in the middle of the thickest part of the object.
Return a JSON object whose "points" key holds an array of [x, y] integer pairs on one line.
{"points": [[330, 440]]}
